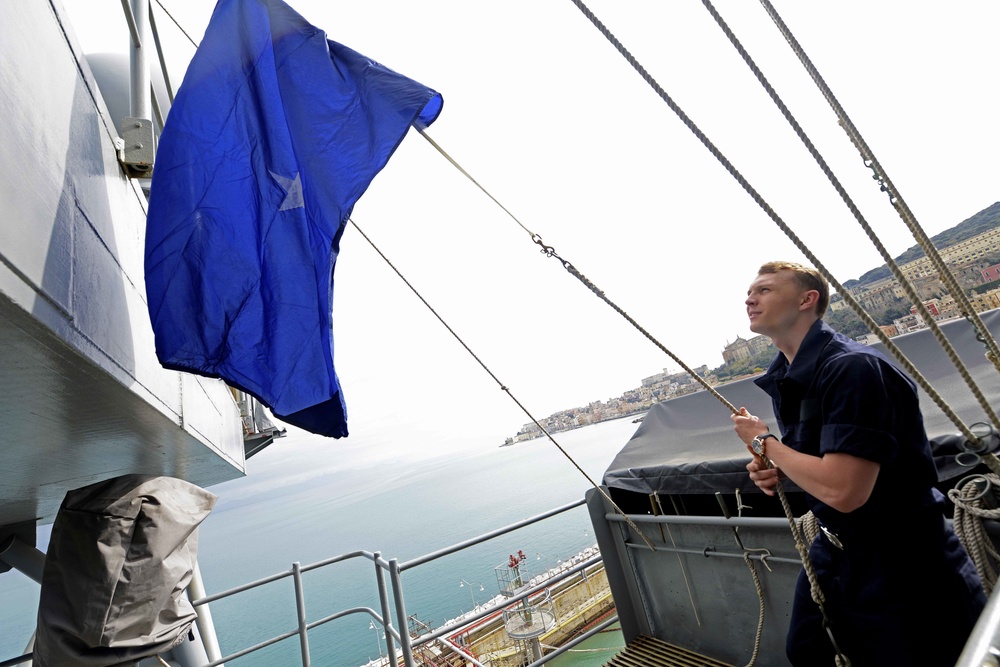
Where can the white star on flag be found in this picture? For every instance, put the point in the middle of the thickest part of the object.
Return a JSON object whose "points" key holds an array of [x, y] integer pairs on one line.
{"points": [[293, 191]]}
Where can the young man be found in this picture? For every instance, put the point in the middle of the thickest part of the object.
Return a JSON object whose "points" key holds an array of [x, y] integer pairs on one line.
{"points": [[899, 587]]}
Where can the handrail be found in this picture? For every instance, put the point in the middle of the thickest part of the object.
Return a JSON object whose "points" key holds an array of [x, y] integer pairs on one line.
{"points": [[398, 632], [983, 644], [487, 536]]}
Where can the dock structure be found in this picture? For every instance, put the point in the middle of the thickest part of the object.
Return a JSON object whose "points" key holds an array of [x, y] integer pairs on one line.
{"points": [[577, 602]]}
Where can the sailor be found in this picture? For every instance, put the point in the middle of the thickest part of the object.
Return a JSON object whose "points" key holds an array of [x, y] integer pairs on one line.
{"points": [[899, 587]]}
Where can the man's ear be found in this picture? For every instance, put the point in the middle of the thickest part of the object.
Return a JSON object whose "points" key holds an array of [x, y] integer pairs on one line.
{"points": [[809, 299]]}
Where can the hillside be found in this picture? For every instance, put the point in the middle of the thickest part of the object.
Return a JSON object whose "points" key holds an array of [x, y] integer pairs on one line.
{"points": [[986, 219]]}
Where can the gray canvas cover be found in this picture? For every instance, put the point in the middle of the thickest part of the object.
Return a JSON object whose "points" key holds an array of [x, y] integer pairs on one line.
{"points": [[121, 553], [687, 445]]}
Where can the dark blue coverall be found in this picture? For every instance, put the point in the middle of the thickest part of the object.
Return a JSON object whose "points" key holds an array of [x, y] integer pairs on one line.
{"points": [[901, 590]]}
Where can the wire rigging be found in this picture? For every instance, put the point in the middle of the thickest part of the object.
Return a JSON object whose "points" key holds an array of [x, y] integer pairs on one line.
{"points": [[897, 273], [452, 331], [550, 251], [503, 387], [782, 225], [981, 331]]}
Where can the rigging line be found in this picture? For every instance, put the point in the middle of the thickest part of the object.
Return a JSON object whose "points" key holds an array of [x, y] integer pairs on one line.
{"points": [[170, 16], [895, 198], [163, 62], [911, 293], [549, 251], [800, 544], [756, 196], [505, 389], [423, 132]]}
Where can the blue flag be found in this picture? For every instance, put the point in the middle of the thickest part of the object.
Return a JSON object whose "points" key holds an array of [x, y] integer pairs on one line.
{"points": [[274, 135]]}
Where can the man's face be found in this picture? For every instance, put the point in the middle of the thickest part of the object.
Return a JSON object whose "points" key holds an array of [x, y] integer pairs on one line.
{"points": [[773, 302]]}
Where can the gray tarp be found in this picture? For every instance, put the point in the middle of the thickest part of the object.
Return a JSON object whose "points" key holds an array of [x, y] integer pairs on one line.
{"points": [[687, 446], [121, 554]]}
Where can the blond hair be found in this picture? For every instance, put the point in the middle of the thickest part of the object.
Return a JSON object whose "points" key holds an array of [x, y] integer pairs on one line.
{"points": [[807, 278]]}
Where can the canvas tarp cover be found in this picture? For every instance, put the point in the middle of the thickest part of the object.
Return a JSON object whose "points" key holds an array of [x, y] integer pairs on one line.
{"points": [[687, 445], [121, 553]]}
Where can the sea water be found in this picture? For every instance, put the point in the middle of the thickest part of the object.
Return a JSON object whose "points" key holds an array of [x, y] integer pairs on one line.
{"points": [[306, 502]]}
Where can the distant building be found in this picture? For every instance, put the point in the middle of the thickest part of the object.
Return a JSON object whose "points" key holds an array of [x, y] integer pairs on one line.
{"points": [[907, 323], [976, 248], [877, 297], [931, 306], [986, 301], [656, 379], [991, 273], [740, 349]]}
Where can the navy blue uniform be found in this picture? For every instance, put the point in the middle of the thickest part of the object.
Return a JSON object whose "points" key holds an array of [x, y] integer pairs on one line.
{"points": [[902, 591]]}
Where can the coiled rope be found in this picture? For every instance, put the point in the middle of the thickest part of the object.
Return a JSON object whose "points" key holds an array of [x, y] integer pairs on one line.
{"points": [[975, 499]]}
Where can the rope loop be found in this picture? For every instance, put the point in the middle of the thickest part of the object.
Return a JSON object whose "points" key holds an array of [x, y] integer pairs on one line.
{"points": [[983, 484]]}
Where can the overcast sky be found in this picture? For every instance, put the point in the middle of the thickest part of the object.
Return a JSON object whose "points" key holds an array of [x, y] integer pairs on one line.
{"points": [[543, 112]]}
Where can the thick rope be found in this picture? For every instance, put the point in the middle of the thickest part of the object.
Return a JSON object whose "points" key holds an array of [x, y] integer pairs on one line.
{"points": [[802, 546], [897, 273], [850, 300], [982, 332], [972, 497], [756, 580], [549, 251], [886, 185], [505, 389], [809, 526], [971, 533]]}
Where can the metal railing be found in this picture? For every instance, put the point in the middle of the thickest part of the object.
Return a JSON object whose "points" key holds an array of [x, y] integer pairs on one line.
{"points": [[397, 633]]}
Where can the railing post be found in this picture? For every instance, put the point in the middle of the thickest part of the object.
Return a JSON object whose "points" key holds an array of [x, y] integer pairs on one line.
{"points": [[206, 626], [139, 62], [404, 626], [300, 606], [383, 597]]}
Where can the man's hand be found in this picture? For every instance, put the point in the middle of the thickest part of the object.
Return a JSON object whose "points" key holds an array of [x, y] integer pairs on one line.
{"points": [[748, 427], [766, 479]]}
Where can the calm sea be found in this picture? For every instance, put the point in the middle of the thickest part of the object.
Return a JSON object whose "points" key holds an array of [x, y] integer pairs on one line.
{"points": [[306, 501]]}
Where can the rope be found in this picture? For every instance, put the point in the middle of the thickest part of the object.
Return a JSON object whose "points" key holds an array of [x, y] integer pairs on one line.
{"points": [[176, 23], [801, 547], [809, 526], [549, 251], [981, 331], [850, 300], [971, 496], [756, 579], [973, 535], [505, 389], [897, 273]]}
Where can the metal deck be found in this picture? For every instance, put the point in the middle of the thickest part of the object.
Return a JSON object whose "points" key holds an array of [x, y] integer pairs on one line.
{"points": [[650, 652]]}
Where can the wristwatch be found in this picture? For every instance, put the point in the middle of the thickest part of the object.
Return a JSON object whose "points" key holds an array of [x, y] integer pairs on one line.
{"points": [[757, 444]]}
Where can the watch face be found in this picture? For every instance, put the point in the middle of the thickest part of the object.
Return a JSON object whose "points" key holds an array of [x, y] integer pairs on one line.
{"points": [[758, 446]]}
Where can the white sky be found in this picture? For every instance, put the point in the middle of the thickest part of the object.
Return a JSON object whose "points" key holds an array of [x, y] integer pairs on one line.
{"points": [[543, 111]]}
